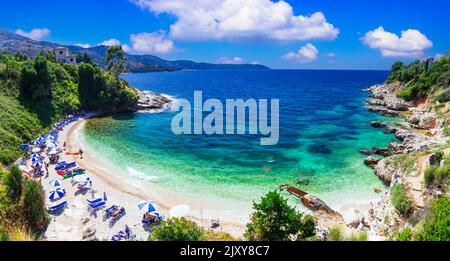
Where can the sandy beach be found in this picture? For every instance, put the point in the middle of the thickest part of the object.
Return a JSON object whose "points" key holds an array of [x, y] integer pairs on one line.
{"points": [[124, 190]]}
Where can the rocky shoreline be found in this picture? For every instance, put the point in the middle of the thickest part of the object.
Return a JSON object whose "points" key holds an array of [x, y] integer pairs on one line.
{"points": [[153, 102], [422, 132]]}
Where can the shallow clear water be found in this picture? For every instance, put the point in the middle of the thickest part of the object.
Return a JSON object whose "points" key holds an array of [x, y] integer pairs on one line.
{"points": [[323, 124]]}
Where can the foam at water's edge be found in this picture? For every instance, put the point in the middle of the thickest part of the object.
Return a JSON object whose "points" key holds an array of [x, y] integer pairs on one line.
{"points": [[140, 175]]}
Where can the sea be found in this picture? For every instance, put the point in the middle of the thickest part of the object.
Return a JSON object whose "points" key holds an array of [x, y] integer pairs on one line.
{"points": [[322, 125]]}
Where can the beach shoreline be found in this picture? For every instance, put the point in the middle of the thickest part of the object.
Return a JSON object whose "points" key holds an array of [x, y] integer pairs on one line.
{"points": [[129, 194]]}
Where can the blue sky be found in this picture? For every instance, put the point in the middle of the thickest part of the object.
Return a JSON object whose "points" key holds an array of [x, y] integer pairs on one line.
{"points": [[347, 34]]}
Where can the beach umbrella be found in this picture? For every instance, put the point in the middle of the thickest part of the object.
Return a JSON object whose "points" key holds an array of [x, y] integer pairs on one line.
{"points": [[57, 194], [55, 183], [36, 150], [82, 179], [37, 164], [147, 206], [52, 152], [179, 211]]}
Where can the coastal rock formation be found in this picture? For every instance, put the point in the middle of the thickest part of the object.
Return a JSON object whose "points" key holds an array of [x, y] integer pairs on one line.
{"points": [[385, 171], [384, 100], [150, 101], [371, 161]]}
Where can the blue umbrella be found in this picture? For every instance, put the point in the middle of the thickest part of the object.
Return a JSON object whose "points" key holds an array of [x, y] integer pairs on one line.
{"points": [[37, 164], [147, 206], [57, 194], [55, 183]]}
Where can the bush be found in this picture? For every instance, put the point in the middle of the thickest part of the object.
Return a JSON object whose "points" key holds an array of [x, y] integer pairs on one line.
{"points": [[404, 235], [274, 220], [34, 205], [437, 227], [437, 176], [400, 199], [335, 234], [430, 175], [13, 183], [178, 229]]}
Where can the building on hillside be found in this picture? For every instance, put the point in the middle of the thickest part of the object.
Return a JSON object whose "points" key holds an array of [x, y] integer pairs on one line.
{"points": [[63, 55]]}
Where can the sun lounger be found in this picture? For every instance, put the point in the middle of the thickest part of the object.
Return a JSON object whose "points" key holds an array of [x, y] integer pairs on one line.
{"points": [[74, 173], [124, 235], [95, 201], [83, 186], [97, 205], [152, 218], [57, 208], [66, 166], [115, 211]]}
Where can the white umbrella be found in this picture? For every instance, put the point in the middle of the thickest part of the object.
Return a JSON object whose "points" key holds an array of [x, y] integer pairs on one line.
{"points": [[147, 206], [37, 164], [179, 211], [82, 179], [36, 150], [52, 152], [23, 167]]}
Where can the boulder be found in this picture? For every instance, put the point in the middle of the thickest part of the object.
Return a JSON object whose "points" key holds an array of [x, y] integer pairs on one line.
{"points": [[382, 152], [376, 124], [365, 152], [428, 121], [371, 161]]}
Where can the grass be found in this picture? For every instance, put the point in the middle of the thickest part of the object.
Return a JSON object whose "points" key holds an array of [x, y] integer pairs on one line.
{"points": [[400, 199], [336, 233]]}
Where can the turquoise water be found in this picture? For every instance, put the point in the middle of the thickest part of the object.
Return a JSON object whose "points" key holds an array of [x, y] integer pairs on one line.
{"points": [[323, 124]]}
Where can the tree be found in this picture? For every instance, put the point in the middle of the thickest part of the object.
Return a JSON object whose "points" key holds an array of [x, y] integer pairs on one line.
{"points": [[274, 220], [115, 60], [178, 229]]}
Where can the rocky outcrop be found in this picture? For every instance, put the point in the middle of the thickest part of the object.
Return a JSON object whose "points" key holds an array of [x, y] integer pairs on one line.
{"points": [[153, 102], [384, 100], [371, 161], [385, 171]]}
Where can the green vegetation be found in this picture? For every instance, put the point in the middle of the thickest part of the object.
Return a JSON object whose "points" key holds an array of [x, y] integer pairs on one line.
{"points": [[115, 59], [336, 233], [437, 227], [423, 79], [22, 209], [274, 220], [177, 229], [36, 92], [400, 199], [404, 235], [437, 176]]}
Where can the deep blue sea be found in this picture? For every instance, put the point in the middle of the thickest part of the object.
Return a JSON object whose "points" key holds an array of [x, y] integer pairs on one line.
{"points": [[323, 124]]}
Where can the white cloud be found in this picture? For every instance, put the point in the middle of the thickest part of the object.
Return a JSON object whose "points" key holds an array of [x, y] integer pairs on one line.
{"points": [[330, 55], [83, 45], [35, 34], [110, 42], [240, 20], [150, 43], [234, 60], [306, 54], [411, 43]]}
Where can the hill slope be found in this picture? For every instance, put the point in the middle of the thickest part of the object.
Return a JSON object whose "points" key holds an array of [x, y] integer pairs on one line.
{"points": [[11, 42]]}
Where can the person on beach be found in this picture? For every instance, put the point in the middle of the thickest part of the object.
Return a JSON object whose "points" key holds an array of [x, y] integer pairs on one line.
{"points": [[64, 146], [81, 154], [46, 170]]}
